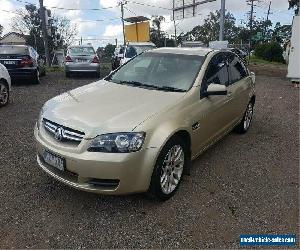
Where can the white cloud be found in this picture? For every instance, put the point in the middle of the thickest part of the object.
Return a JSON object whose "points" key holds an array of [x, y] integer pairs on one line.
{"points": [[6, 17], [108, 3], [113, 30]]}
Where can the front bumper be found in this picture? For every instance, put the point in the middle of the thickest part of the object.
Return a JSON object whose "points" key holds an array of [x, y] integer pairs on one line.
{"points": [[82, 67], [103, 173]]}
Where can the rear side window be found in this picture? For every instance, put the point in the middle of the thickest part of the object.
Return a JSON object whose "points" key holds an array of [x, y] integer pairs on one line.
{"points": [[14, 50], [237, 69]]}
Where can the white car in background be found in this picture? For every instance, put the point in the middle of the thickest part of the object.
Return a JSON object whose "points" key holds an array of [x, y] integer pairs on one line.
{"points": [[5, 86]]}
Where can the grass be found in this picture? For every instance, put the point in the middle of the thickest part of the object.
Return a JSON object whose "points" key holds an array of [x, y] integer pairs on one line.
{"points": [[55, 69], [256, 60]]}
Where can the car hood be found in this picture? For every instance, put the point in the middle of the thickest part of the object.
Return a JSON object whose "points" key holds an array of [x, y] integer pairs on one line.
{"points": [[105, 107]]}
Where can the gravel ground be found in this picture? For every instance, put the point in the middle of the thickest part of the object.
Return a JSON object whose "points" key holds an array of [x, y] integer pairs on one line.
{"points": [[242, 185]]}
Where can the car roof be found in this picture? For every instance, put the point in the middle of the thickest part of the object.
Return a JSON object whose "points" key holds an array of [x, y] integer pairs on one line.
{"points": [[81, 46], [141, 44], [185, 51], [14, 45]]}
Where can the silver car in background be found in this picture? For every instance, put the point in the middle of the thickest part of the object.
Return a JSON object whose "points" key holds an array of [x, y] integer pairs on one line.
{"points": [[82, 59]]}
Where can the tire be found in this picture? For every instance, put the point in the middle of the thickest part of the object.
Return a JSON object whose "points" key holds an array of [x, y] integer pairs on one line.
{"points": [[4, 94], [161, 186], [98, 75], [36, 77], [245, 123], [43, 73], [68, 74]]}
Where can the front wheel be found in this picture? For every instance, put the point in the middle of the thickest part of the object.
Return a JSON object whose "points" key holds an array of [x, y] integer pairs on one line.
{"points": [[168, 171], [245, 123]]}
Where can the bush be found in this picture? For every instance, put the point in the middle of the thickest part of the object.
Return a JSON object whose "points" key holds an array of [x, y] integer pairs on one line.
{"points": [[269, 51]]}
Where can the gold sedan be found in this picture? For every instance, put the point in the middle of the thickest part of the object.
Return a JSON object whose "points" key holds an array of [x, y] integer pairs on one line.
{"points": [[138, 129]]}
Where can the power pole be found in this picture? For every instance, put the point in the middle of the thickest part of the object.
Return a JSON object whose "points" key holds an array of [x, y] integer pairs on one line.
{"points": [[251, 3], [175, 31], [44, 30], [122, 3], [269, 9], [222, 20]]}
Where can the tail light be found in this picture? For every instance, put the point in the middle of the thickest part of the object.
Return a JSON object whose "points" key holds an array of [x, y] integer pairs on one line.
{"points": [[95, 60], [69, 59], [26, 61]]}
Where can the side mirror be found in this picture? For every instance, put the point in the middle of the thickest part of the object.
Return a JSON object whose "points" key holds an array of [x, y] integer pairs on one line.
{"points": [[216, 89]]}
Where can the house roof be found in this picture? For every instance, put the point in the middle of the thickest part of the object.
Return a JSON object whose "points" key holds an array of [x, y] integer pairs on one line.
{"points": [[13, 33]]}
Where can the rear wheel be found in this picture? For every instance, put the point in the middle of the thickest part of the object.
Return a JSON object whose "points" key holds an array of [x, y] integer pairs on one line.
{"points": [[4, 94], [245, 124], [36, 77], [168, 171], [97, 74]]}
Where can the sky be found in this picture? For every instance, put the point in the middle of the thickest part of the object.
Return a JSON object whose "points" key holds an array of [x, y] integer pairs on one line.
{"points": [[106, 31]]}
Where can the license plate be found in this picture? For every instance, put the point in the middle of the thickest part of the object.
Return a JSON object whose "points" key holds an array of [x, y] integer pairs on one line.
{"points": [[54, 160], [9, 62], [81, 60]]}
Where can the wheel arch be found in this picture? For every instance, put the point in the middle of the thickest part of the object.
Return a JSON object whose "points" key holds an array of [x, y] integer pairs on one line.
{"points": [[185, 135], [253, 99]]}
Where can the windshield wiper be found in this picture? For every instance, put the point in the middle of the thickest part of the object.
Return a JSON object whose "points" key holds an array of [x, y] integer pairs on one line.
{"points": [[164, 88], [168, 88], [138, 84]]}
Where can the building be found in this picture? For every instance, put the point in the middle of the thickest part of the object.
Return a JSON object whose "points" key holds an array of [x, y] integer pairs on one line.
{"points": [[13, 38]]}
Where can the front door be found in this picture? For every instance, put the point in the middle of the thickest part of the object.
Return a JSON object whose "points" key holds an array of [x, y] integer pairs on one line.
{"points": [[213, 114]]}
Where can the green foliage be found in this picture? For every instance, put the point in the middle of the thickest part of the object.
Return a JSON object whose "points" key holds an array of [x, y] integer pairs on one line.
{"points": [[109, 50], [209, 30], [269, 51]]}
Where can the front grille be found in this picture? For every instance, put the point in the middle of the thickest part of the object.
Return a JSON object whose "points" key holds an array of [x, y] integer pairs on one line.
{"points": [[61, 133]]}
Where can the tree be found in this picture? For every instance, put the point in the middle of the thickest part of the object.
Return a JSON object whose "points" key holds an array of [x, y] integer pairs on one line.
{"points": [[109, 50], [28, 22], [157, 36], [282, 33], [209, 30]]}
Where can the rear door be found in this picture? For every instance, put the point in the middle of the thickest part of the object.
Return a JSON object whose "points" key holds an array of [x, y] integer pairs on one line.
{"points": [[239, 85], [11, 56]]}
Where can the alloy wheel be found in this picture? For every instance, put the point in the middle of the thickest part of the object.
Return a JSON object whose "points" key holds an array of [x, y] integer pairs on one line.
{"points": [[248, 116], [172, 169]]}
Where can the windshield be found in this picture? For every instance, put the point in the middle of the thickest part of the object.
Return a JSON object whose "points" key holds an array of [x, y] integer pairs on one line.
{"points": [[19, 50], [81, 51], [133, 51], [173, 72]]}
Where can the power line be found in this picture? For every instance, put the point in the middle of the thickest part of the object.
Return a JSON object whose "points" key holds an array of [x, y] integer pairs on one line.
{"points": [[70, 9], [97, 20], [10, 11], [148, 5]]}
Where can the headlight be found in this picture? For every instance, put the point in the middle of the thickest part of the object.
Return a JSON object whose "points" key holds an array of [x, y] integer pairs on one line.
{"points": [[118, 143]]}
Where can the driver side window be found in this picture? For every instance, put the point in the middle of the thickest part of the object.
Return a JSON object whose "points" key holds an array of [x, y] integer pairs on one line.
{"points": [[217, 73]]}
